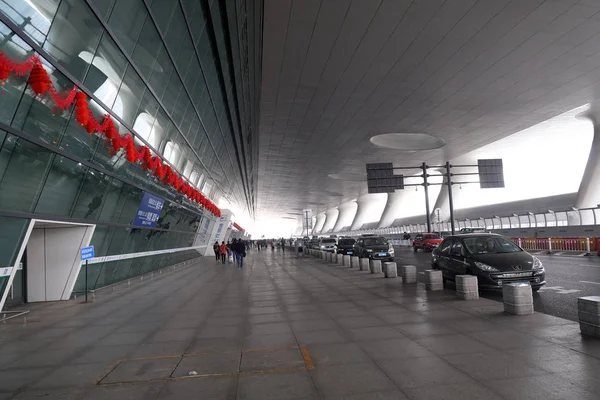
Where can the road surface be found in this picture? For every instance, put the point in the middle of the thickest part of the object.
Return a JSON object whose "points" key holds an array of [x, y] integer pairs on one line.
{"points": [[567, 277]]}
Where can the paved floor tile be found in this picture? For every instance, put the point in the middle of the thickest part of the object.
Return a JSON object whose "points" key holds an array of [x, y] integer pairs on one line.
{"points": [[452, 344], [276, 386], [492, 365], [350, 379], [336, 354], [141, 370], [262, 341], [423, 372], [394, 349], [74, 375], [318, 337], [543, 387], [272, 360], [504, 339], [208, 364], [474, 391]]}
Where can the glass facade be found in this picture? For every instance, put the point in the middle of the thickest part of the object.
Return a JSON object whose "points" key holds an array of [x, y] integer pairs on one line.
{"points": [[182, 76]]}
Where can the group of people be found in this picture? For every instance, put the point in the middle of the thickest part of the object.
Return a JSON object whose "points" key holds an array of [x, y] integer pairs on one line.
{"points": [[271, 243], [234, 251]]}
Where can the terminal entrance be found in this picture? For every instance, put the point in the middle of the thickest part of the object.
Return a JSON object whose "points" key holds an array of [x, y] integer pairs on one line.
{"points": [[50, 262]]}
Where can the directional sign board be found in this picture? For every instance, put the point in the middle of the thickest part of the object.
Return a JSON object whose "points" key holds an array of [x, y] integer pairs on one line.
{"points": [[149, 211], [381, 178], [87, 253], [491, 173]]}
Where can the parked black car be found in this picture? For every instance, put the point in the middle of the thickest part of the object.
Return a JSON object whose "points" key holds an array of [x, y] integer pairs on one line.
{"points": [[345, 246], [374, 248], [494, 259]]}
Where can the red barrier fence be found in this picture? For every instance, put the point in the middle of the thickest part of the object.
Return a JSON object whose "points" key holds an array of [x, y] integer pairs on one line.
{"points": [[575, 244]]}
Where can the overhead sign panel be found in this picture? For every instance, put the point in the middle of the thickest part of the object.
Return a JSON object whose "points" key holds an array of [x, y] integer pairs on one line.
{"points": [[381, 178], [491, 173]]}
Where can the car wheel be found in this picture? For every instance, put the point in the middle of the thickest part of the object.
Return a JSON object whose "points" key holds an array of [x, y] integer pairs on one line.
{"points": [[415, 249]]}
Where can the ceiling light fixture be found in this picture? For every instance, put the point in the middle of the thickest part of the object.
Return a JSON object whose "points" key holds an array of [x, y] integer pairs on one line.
{"points": [[408, 141]]}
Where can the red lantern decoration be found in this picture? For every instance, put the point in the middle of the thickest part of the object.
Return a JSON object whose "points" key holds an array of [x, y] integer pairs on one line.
{"points": [[91, 125], [3, 74], [39, 79], [130, 150], [82, 112]]}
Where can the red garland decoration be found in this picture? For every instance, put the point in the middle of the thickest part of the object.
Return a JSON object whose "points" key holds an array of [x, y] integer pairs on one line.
{"points": [[40, 83], [67, 101], [117, 143]]}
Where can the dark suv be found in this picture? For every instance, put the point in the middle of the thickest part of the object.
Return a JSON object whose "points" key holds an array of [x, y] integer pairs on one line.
{"points": [[345, 246], [374, 248]]}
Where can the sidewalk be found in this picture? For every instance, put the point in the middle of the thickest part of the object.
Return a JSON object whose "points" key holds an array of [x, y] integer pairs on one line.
{"points": [[287, 328]]}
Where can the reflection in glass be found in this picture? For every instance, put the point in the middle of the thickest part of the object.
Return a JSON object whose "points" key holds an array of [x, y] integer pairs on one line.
{"points": [[23, 166], [62, 185]]}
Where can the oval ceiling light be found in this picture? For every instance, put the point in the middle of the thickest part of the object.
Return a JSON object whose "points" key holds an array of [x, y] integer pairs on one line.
{"points": [[408, 141], [349, 177]]}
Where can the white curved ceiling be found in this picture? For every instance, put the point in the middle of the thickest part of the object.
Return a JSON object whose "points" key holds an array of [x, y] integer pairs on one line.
{"points": [[336, 72]]}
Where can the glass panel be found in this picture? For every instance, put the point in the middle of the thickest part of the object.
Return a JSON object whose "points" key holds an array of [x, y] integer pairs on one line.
{"points": [[23, 167], [162, 10], [126, 21], [539, 219], [11, 235], [61, 187], [12, 231], [146, 49], [114, 201], [83, 37], [574, 218], [103, 7], [104, 79], [93, 192], [561, 218], [33, 15], [587, 217]]}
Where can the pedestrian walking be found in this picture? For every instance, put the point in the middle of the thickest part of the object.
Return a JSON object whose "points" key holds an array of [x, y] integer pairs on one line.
{"points": [[240, 252], [223, 251], [217, 251]]}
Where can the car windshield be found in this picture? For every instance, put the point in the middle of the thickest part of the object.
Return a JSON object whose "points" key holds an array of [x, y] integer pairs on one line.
{"points": [[328, 241], [431, 236], [346, 241], [375, 241], [490, 245]]}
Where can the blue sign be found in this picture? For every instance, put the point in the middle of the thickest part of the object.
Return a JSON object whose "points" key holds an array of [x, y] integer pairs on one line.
{"points": [[87, 253], [149, 211]]}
